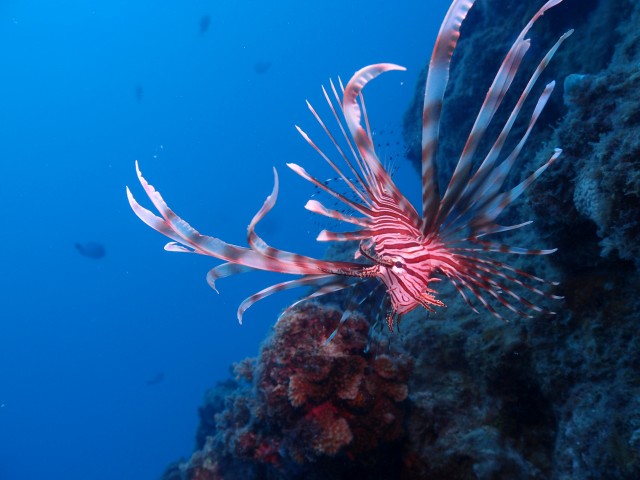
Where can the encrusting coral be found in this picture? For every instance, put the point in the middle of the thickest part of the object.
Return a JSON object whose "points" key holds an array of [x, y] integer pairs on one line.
{"points": [[305, 403]]}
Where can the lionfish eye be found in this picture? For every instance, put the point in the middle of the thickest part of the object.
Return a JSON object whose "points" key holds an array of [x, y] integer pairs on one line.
{"points": [[399, 265]]}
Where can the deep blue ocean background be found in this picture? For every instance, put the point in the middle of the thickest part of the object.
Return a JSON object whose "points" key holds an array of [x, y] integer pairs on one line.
{"points": [[104, 362]]}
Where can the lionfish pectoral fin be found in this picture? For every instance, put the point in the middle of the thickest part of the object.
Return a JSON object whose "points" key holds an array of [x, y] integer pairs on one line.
{"points": [[466, 299], [324, 284], [155, 222], [253, 239], [176, 247], [345, 315], [185, 237], [225, 270]]}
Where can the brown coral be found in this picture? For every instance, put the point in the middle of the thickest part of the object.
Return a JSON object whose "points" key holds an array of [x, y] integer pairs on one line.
{"points": [[306, 401], [330, 397], [334, 431]]}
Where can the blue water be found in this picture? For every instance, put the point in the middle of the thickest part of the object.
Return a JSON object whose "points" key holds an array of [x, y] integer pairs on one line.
{"points": [[86, 88]]}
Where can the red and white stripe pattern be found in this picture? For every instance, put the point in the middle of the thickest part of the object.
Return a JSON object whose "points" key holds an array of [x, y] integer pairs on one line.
{"points": [[403, 249]]}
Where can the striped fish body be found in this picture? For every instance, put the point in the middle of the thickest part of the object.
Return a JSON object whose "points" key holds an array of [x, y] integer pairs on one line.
{"points": [[407, 273]]}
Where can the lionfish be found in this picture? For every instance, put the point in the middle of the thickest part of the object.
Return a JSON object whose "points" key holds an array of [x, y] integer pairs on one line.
{"points": [[404, 250]]}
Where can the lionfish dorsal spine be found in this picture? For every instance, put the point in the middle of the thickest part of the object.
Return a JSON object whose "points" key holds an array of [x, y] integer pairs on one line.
{"points": [[437, 79]]}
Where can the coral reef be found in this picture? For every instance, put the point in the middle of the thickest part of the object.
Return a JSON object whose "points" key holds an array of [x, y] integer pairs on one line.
{"points": [[306, 405]]}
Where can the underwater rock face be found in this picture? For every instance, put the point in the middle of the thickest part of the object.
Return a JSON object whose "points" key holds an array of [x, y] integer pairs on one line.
{"points": [[551, 397], [305, 407], [601, 137]]}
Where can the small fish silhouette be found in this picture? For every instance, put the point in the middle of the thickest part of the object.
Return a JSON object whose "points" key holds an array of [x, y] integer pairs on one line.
{"points": [[205, 22], [156, 379], [91, 249], [262, 66]]}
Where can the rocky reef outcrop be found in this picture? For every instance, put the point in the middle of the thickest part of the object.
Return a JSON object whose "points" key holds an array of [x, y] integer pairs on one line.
{"points": [[307, 407]]}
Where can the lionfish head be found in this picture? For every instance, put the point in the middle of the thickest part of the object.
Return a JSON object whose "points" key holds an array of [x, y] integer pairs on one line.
{"points": [[406, 263]]}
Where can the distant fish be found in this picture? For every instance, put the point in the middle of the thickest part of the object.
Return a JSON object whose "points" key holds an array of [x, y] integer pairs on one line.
{"points": [[261, 66], [139, 92], [205, 22], [91, 249], [156, 379]]}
